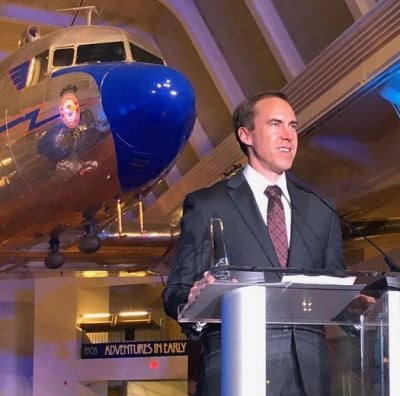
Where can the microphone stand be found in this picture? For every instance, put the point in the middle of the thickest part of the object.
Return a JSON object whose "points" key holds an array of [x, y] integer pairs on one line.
{"points": [[390, 262]]}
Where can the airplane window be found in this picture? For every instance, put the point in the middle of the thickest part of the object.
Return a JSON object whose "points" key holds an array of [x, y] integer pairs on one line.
{"points": [[63, 57], [103, 52], [38, 68], [141, 55]]}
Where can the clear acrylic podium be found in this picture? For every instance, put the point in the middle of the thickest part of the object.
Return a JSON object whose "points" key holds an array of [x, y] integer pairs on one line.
{"points": [[244, 309], [380, 346]]}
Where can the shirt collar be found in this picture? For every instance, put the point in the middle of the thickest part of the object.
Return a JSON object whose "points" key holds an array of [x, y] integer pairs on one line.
{"points": [[258, 183]]}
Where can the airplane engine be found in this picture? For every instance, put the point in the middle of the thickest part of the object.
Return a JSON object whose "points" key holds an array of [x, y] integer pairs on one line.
{"points": [[29, 35]]}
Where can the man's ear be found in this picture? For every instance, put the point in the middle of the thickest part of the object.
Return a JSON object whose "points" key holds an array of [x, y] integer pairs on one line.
{"points": [[245, 136]]}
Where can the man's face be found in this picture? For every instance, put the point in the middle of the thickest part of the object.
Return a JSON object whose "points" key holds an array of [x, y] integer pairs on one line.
{"points": [[272, 144]]}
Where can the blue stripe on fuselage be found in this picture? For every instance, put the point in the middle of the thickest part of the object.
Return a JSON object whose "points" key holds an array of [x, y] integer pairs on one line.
{"points": [[32, 116], [19, 73]]}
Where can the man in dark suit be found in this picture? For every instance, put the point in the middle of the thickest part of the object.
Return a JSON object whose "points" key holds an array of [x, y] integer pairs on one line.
{"points": [[266, 129]]}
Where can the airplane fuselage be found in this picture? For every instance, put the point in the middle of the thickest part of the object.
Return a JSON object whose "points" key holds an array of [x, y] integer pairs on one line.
{"points": [[82, 122]]}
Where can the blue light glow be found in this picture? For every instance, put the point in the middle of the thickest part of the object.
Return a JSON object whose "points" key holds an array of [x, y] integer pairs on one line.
{"points": [[345, 147], [391, 89]]}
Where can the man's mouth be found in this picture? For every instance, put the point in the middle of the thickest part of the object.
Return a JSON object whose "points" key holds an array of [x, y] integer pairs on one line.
{"points": [[284, 149]]}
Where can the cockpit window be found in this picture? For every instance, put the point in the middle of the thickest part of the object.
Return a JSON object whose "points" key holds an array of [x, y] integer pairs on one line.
{"points": [[141, 55], [63, 57], [38, 68], [102, 52]]}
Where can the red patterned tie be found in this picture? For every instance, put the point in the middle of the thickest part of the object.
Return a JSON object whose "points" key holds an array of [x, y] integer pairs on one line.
{"points": [[276, 223]]}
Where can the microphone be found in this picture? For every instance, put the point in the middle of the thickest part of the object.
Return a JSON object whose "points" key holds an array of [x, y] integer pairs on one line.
{"points": [[393, 266], [219, 258]]}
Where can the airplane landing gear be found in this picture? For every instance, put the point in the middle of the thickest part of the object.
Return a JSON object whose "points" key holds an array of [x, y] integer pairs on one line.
{"points": [[55, 259], [90, 242]]}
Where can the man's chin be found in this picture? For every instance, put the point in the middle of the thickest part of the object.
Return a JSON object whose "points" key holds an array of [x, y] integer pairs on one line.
{"points": [[284, 167]]}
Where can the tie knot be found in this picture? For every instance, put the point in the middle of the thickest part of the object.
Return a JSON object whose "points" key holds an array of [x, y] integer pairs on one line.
{"points": [[273, 192]]}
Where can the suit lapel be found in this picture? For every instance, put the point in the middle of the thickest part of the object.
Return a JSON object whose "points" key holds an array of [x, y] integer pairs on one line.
{"points": [[246, 205], [299, 204]]}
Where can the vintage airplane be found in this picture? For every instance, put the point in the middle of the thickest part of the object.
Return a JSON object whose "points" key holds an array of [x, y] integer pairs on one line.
{"points": [[88, 115]]}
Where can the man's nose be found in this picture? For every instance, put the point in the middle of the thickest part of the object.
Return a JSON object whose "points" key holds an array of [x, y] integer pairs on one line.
{"points": [[288, 133]]}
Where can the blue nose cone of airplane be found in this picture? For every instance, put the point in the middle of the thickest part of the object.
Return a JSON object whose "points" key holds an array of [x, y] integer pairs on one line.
{"points": [[151, 112]]}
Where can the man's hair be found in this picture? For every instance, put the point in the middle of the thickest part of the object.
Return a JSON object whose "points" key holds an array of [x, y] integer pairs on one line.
{"points": [[243, 116]]}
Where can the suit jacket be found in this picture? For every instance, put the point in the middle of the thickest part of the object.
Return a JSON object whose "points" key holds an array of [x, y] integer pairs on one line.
{"points": [[315, 241]]}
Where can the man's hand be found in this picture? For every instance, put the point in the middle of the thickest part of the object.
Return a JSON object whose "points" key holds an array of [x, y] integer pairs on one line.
{"points": [[198, 286]]}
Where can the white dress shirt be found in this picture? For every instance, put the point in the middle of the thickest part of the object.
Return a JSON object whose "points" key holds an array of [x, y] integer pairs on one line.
{"points": [[258, 184]]}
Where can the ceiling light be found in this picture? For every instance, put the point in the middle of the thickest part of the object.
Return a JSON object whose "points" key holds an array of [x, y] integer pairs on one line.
{"points": [[126, 314], [100, 315], [94, 274]]}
